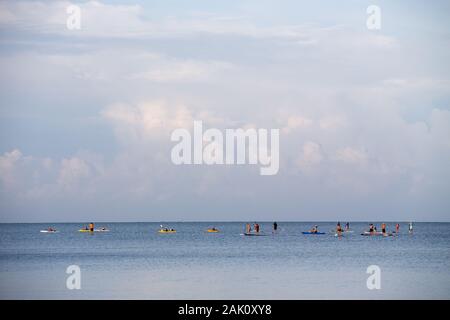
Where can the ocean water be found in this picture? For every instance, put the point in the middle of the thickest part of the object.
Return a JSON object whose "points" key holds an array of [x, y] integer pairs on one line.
{"points": [[134, 261]]}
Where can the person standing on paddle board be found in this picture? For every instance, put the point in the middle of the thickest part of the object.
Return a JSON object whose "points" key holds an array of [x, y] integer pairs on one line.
{"points": [[256, 228], [338, 228], [248, 228], [275, 227], [347, 226], [397, 228], [383, 227]]}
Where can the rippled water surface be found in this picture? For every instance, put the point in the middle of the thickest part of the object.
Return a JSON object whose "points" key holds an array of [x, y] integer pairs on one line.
{"points": [[134, 261]]}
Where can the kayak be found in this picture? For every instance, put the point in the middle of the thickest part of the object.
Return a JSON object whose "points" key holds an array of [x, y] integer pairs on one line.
{"points": [[84, 230], [307, 232], [167, 231], [48, 231], [212, 230], [253, 234], [101, 230]]}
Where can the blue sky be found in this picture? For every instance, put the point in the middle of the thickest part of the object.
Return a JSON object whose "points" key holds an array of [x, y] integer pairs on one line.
{"points": [[86, 115]]}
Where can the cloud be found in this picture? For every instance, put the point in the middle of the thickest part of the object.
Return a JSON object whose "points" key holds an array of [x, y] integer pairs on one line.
{"points": [[440, 128], [351, 156], [6, 16], [154, 120], [90, 111], [8, 162], [311, 155], [147, 121], [141, 171], [182, 71], [332, 122], [99, 19], [296, 122], [72, 171]]}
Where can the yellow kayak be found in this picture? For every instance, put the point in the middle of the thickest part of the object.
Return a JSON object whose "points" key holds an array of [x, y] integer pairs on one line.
{"points": [[167, 231], [84, 230], [212, 230]]}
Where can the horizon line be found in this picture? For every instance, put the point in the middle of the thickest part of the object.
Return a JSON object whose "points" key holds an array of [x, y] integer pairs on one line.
{"points": [[234, 221]]}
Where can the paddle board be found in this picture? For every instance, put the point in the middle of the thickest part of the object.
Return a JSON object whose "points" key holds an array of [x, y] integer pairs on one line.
{"points": [[376, 234], [253, 234]]}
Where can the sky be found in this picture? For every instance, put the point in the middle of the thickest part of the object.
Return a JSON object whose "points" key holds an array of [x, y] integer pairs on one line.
{"points": [[86, 115]]}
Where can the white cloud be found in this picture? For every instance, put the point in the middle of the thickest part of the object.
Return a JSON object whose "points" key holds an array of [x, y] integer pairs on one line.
{"points": [[312, 155], [97, 18], [148, 120], [6, 16], [349, 89], [351, 156], [129, 21], [181, 71], [440, 128], [8, 162], [332, 122], [153, 121], [72, 171], [296, 122]]}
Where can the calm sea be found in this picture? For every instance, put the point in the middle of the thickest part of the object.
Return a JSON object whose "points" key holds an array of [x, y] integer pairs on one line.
{"points": [[134, 261]]}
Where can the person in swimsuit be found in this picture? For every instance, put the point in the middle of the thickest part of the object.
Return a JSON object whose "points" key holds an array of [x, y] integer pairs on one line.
{"points": [[397, 228], [383, 227], [347, 226], [338, 228], [275, 226]]}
